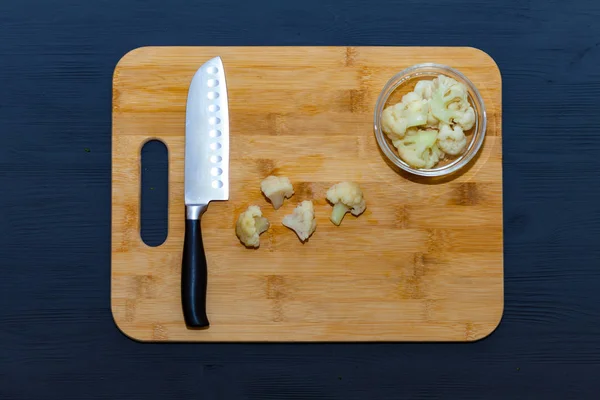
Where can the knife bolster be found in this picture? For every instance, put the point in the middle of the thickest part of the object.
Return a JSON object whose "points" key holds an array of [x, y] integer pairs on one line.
{"points": [[195, 212]]}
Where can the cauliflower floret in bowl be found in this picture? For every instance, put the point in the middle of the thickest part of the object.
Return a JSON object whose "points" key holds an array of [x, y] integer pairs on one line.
{"points": [[419, 149], [430, 120], [451, 140]]}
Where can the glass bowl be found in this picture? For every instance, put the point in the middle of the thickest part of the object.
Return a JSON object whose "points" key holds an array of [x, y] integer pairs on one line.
{"points": [[404, 82]]}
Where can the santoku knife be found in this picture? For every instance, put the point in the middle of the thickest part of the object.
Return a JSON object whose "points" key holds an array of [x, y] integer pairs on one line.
{"points": [[206, 178]]}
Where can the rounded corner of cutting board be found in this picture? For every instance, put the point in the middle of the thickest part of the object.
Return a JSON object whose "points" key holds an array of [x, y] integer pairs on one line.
{"points": [[491, 327], [125, 329], [488, 60], [132, 55]]}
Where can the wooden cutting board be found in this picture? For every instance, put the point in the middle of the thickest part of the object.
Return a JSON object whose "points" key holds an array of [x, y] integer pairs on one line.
{"points": [[423, 263]]}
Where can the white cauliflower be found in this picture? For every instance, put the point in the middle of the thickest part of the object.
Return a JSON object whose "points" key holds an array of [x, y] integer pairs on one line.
{"points": [[466, 119], [416, 113], [447, 91], [418, 148], [464, 115], [411, 97], [430, 121], [250, 225], [424, 89], [345, 196], [451, 140], [277, 189], [455, 106], [392, 124], [411, 111], [302, 220]]}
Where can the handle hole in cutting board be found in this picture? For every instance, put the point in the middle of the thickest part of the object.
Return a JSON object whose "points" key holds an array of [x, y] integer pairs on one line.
{"points": [[154, 202]]}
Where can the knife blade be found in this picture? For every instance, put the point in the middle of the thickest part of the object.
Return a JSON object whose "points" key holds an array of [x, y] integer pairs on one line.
{"points": [[206, 179]]}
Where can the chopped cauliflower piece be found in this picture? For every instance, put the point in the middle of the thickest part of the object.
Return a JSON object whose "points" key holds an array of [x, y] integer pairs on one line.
{"points": [[302, 220], [416, 112], [451, 140], [391, 124], [424, 89], [432, 121], [419, 149], [345, 196], [448, 99], [454, 106], [277, 188], [466, 119], [411, 111], [410, 97], [250, 225]]}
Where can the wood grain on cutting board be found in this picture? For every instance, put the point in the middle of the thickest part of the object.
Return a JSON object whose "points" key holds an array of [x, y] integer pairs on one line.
{"points": [[423, 263]]}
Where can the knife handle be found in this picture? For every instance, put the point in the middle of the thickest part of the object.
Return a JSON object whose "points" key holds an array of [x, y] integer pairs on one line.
{"points": [[194, 271]]}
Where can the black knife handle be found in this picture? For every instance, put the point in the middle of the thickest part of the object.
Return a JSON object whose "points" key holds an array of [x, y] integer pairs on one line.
{"points": [[194, 276]]}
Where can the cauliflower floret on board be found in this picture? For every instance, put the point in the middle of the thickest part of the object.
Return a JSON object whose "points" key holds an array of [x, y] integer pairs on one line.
{"points": [[419, 149], [345, 196], [302, 220], [277, 188], [451, 140], [250, 224]]}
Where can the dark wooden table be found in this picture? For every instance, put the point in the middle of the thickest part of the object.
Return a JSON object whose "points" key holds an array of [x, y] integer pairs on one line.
{"points": [[57, 337]]}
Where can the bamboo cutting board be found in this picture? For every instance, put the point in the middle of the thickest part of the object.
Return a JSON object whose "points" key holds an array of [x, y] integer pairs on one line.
{"points": [[423, 263]]}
